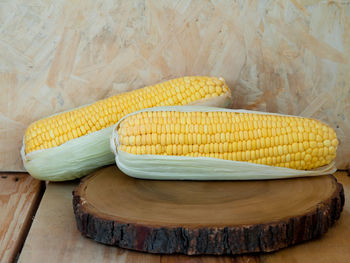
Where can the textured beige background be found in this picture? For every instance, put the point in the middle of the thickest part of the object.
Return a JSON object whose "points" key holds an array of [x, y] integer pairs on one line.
{"points": [[279, 56]]}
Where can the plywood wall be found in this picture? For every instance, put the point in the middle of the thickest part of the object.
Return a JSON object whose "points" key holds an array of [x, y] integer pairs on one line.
{"points": [[279, 56]]}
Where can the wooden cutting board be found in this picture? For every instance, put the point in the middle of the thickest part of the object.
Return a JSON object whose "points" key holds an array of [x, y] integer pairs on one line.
{"points": [[205, 217]]}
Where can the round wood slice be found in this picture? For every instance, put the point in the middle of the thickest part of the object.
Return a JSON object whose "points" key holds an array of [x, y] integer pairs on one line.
{"points": [[205, 217]]}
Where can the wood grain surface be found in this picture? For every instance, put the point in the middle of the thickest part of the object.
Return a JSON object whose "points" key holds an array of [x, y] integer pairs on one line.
{"points": [[54, 236], [332, 247], [279, 56], [196, 218], [19, 198]]}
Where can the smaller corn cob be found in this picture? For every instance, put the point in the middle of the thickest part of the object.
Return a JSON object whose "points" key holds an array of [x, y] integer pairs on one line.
{"points": [[268, 145], [73, 143]]}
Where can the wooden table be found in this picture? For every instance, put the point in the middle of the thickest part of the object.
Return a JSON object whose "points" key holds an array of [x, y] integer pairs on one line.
{"points": [[53, 237]]}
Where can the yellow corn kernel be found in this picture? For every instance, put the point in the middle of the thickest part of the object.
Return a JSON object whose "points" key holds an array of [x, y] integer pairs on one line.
{"points": [[228, 135], [107, 112]]}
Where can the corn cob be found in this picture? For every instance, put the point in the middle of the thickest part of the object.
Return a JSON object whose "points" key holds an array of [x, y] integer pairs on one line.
{"points": [[73, 143], [266, 145]]}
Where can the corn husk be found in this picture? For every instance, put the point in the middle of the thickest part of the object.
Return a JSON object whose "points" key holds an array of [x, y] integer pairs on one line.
{"points": [[72, 159], [81, 156], [162, 167]]}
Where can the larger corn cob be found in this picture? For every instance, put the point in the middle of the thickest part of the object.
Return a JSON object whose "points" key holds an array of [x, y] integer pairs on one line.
{"points": [[63, 131], [263, 139]]}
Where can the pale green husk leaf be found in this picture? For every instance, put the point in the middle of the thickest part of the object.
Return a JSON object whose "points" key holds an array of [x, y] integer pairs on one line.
{"points": [[201, 168], [72, 159]]}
